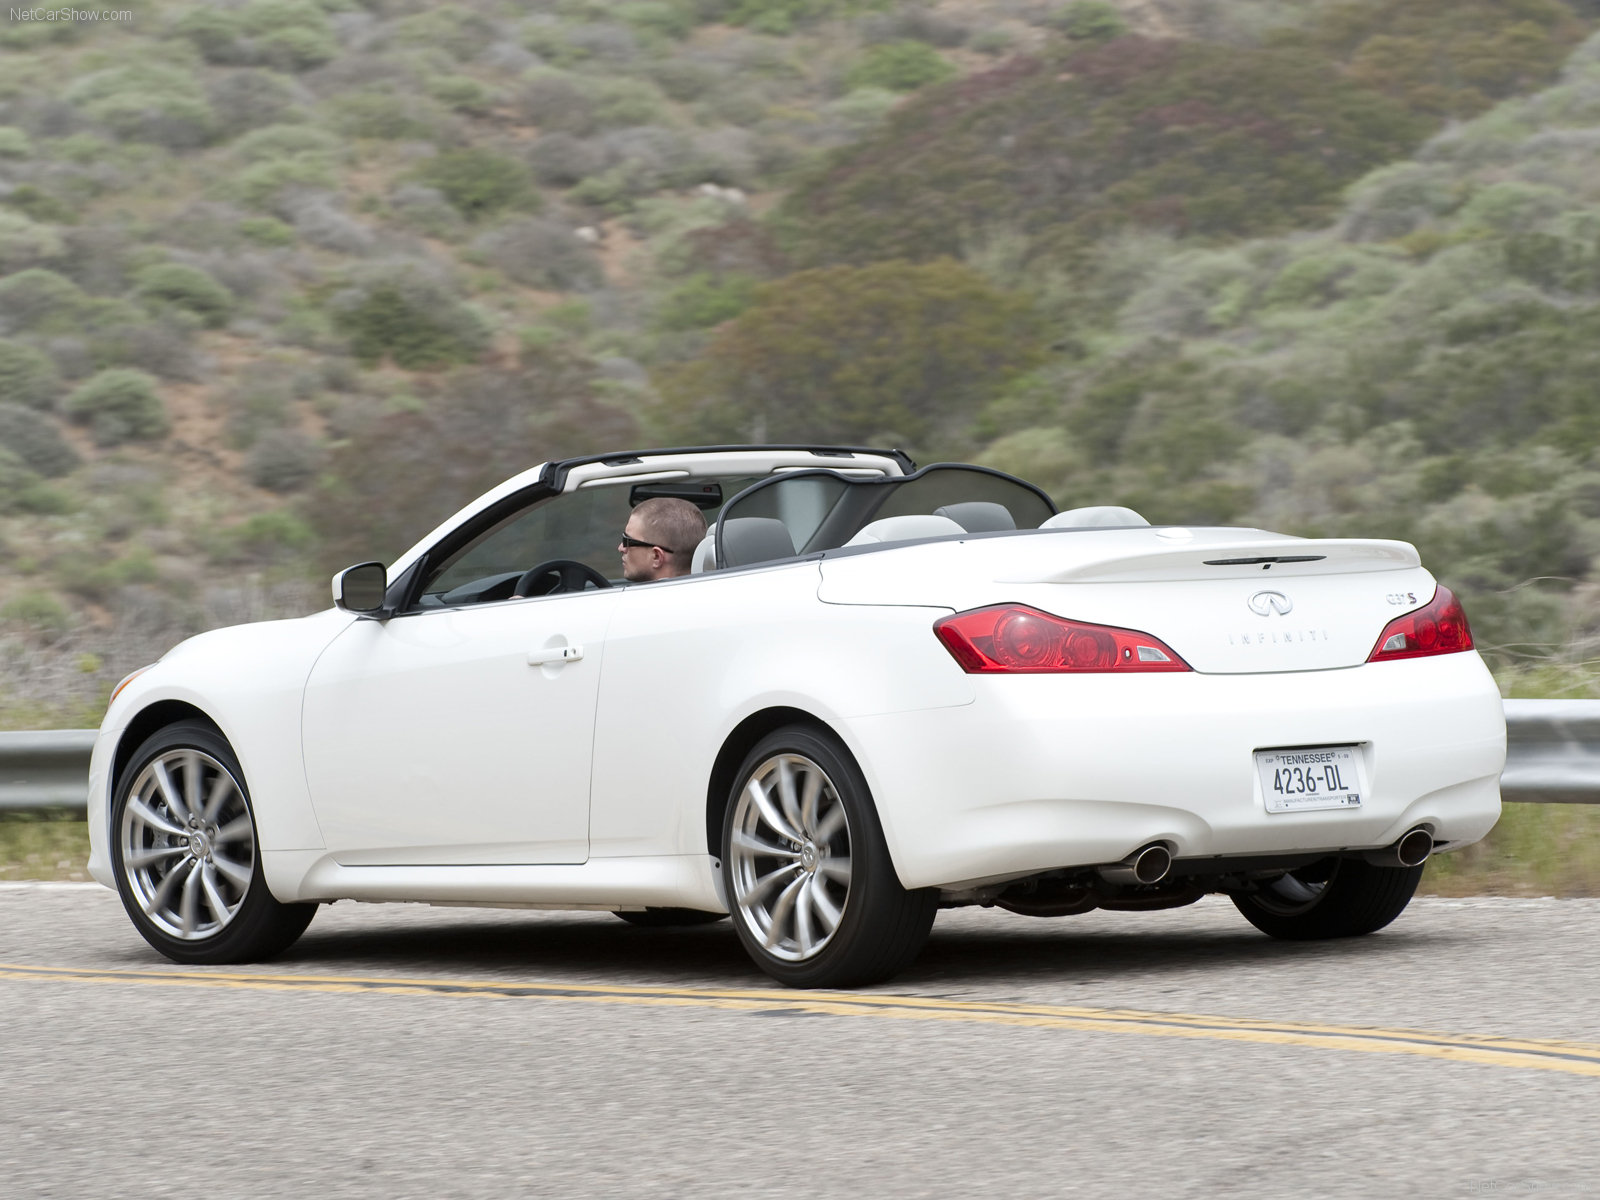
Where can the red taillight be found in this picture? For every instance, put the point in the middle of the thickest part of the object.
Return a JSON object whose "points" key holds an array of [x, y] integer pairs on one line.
{"points": [[1013, 639], [1438, 627]]}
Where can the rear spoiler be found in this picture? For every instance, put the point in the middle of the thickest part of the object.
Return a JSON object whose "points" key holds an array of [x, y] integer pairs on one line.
{"points": [[1192, 555]]}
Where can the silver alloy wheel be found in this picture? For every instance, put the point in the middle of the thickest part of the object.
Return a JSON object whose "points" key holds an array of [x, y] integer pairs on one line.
{"points": [[188, 844], [790, 852]]}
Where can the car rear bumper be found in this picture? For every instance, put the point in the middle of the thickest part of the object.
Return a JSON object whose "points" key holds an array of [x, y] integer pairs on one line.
{"points": [[1042, 772]]}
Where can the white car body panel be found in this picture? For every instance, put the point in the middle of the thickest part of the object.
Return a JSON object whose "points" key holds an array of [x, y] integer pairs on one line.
{"points": [[249, 680], [432, 738], [424, 757], [676, 687]]}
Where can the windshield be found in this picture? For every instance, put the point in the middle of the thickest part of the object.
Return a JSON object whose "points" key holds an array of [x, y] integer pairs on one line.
{"points": [[824, 510]]}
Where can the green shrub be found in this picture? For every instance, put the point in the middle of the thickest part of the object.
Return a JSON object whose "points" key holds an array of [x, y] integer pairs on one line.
{"points": [[292, 35], [409, 315], [287, 141], [376, 114], [244, 100], [900, 67], [25, 243], [282, 461], [479, 182], [266, 231], [91, 576], [541, 254], [214, 32], [262, 184], [40, 299], [782, 16], [38, 611], [704, 300], [188, 289], [1089, 21], [462, 94], [683, 80], [659, 18], [28, 376], [40, 32], [260, 403], [162, 346], [556, 103], [455, 29], [561, 160], [264, 538], [15, 143], [620, 102], [147, 102], [119, 405], [34, 438]]}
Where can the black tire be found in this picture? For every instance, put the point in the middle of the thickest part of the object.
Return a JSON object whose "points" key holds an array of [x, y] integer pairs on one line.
{"points": [[879, 926], [670, 918], [1339, 897], [257, 925]]}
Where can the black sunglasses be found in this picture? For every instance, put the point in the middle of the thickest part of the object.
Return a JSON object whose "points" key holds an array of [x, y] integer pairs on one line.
{"points": [[633, 541]]}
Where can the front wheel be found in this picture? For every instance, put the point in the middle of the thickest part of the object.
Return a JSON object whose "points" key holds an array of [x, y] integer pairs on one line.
{"points": [[810, 885], [186, 856], [1336, 897]]}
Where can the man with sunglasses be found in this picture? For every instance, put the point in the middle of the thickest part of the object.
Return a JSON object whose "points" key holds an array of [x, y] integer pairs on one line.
{"points": [[659, 539]]}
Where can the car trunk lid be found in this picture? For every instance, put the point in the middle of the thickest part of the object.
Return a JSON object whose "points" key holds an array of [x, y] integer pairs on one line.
{"points": [[1228, 601]]}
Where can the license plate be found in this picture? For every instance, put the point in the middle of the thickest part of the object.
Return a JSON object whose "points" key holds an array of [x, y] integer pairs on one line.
{"points": [[1310, 777]]}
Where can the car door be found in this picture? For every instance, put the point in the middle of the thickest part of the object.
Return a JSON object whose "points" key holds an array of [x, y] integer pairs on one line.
{"points": [[459, 736], [461, 730]]}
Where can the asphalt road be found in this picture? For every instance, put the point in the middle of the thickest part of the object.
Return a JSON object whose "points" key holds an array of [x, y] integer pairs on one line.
{"points": [[410, 1051]]}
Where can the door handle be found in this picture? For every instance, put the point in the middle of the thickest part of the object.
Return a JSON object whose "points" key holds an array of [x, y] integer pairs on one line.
{"points": [[554, 654]]}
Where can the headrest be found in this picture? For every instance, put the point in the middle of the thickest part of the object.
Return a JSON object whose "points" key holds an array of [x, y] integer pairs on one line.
{"points": [[978, 516], [705, 555], [1099, 516], [904, 529], [747, 540]]}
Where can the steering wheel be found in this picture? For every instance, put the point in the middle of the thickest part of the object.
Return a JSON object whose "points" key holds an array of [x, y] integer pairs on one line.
{"points": [[558, 575]]}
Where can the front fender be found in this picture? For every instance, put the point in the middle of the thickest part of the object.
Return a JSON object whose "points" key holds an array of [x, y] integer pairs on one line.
{"points": [[249, 680]]}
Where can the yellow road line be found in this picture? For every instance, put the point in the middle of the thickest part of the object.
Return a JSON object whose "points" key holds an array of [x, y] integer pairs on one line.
{"points": [[1575, 1058]]}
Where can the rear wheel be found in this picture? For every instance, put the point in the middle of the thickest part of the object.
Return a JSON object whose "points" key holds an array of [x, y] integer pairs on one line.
{"points": [[186, 857], [670, 918], [1336, 897], [813, 893]]}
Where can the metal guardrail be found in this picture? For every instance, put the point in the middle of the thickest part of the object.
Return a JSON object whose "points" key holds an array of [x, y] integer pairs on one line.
{"points": [[44, 770], [1552, 752], [1552, 757]]}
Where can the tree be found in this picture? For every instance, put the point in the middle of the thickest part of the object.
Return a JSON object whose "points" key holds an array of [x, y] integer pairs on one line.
{"points": [[406, 471], [893, 351]]}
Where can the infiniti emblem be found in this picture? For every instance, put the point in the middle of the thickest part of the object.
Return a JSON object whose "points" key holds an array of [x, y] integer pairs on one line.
{"points": [[1267, 603]]}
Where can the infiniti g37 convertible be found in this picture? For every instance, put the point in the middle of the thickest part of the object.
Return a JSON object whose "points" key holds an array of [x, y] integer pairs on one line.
{"points": [[880, 692]]}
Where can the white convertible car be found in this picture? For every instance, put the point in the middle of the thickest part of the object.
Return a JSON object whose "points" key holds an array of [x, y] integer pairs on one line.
{"points": [[882, 691]]}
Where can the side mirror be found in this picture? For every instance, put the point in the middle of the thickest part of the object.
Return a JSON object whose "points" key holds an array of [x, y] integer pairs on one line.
{"points": [[360, 589]]}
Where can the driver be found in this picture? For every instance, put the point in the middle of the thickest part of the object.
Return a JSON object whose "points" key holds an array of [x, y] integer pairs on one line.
{"points": [[659, 540]]}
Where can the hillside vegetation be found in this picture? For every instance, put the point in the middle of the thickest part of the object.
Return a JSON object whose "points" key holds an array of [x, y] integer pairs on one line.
{"points": [[282, 282]]}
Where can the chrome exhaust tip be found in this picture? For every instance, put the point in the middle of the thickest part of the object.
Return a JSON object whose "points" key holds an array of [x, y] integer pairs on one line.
{"points": [[1147, 865], [1411, 850]]}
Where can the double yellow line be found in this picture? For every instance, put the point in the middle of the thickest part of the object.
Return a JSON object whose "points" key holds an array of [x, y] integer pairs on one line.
{"points": [[1573, 1058]]}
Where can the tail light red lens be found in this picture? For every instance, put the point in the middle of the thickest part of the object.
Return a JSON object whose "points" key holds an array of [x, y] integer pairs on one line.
{"points": [[1438, 627], [1011, 639]]}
